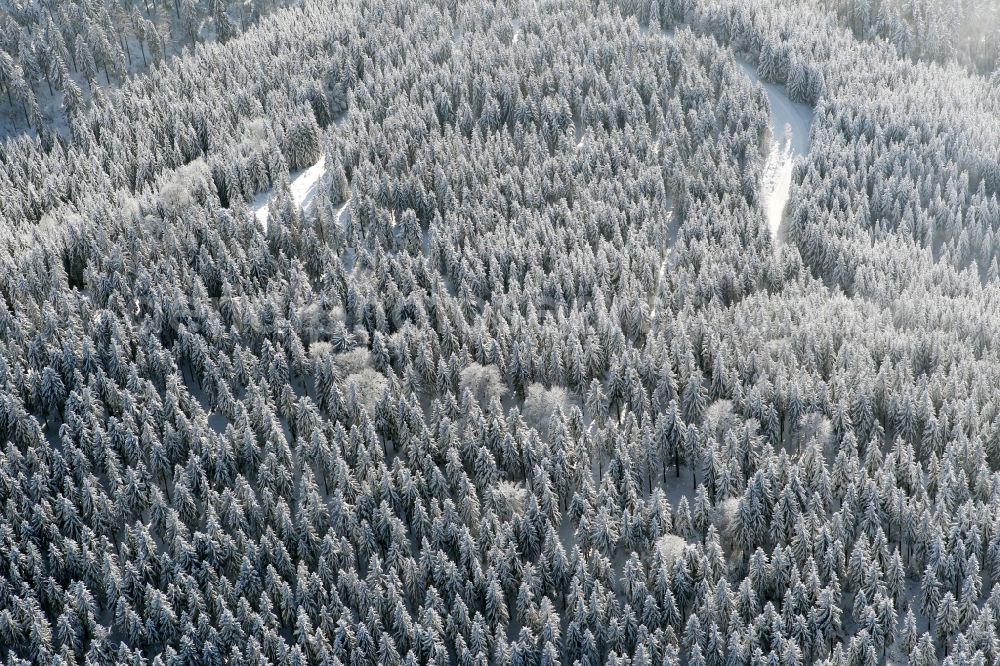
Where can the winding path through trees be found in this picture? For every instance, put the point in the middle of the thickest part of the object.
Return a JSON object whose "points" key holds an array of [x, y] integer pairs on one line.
{"points": [[790, 126]]}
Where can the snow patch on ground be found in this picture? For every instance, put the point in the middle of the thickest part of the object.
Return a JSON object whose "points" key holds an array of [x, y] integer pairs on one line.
{"points": [[677, 487], [790, 126], [303, 188], [784, 112], [777, 183], [343, 214], [259, 207]]}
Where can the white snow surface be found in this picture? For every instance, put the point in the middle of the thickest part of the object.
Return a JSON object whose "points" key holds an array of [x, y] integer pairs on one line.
{"points": [[790, 126], [343, 213], [303, 187]]}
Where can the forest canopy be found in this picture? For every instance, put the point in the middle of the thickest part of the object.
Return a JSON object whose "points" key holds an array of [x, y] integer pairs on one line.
{"points": [[397, 332]]}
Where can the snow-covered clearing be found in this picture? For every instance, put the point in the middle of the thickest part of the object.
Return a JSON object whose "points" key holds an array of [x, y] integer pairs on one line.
{"points": [[777, 182], [790, 126], [303, 188]]}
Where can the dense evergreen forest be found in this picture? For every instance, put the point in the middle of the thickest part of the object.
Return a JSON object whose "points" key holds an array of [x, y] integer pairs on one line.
{"points": [[54, 54], [516, 332]]}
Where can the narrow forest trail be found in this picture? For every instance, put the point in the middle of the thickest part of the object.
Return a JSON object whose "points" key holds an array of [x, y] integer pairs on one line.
{"points": [[791, 123], [302, 185]]}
